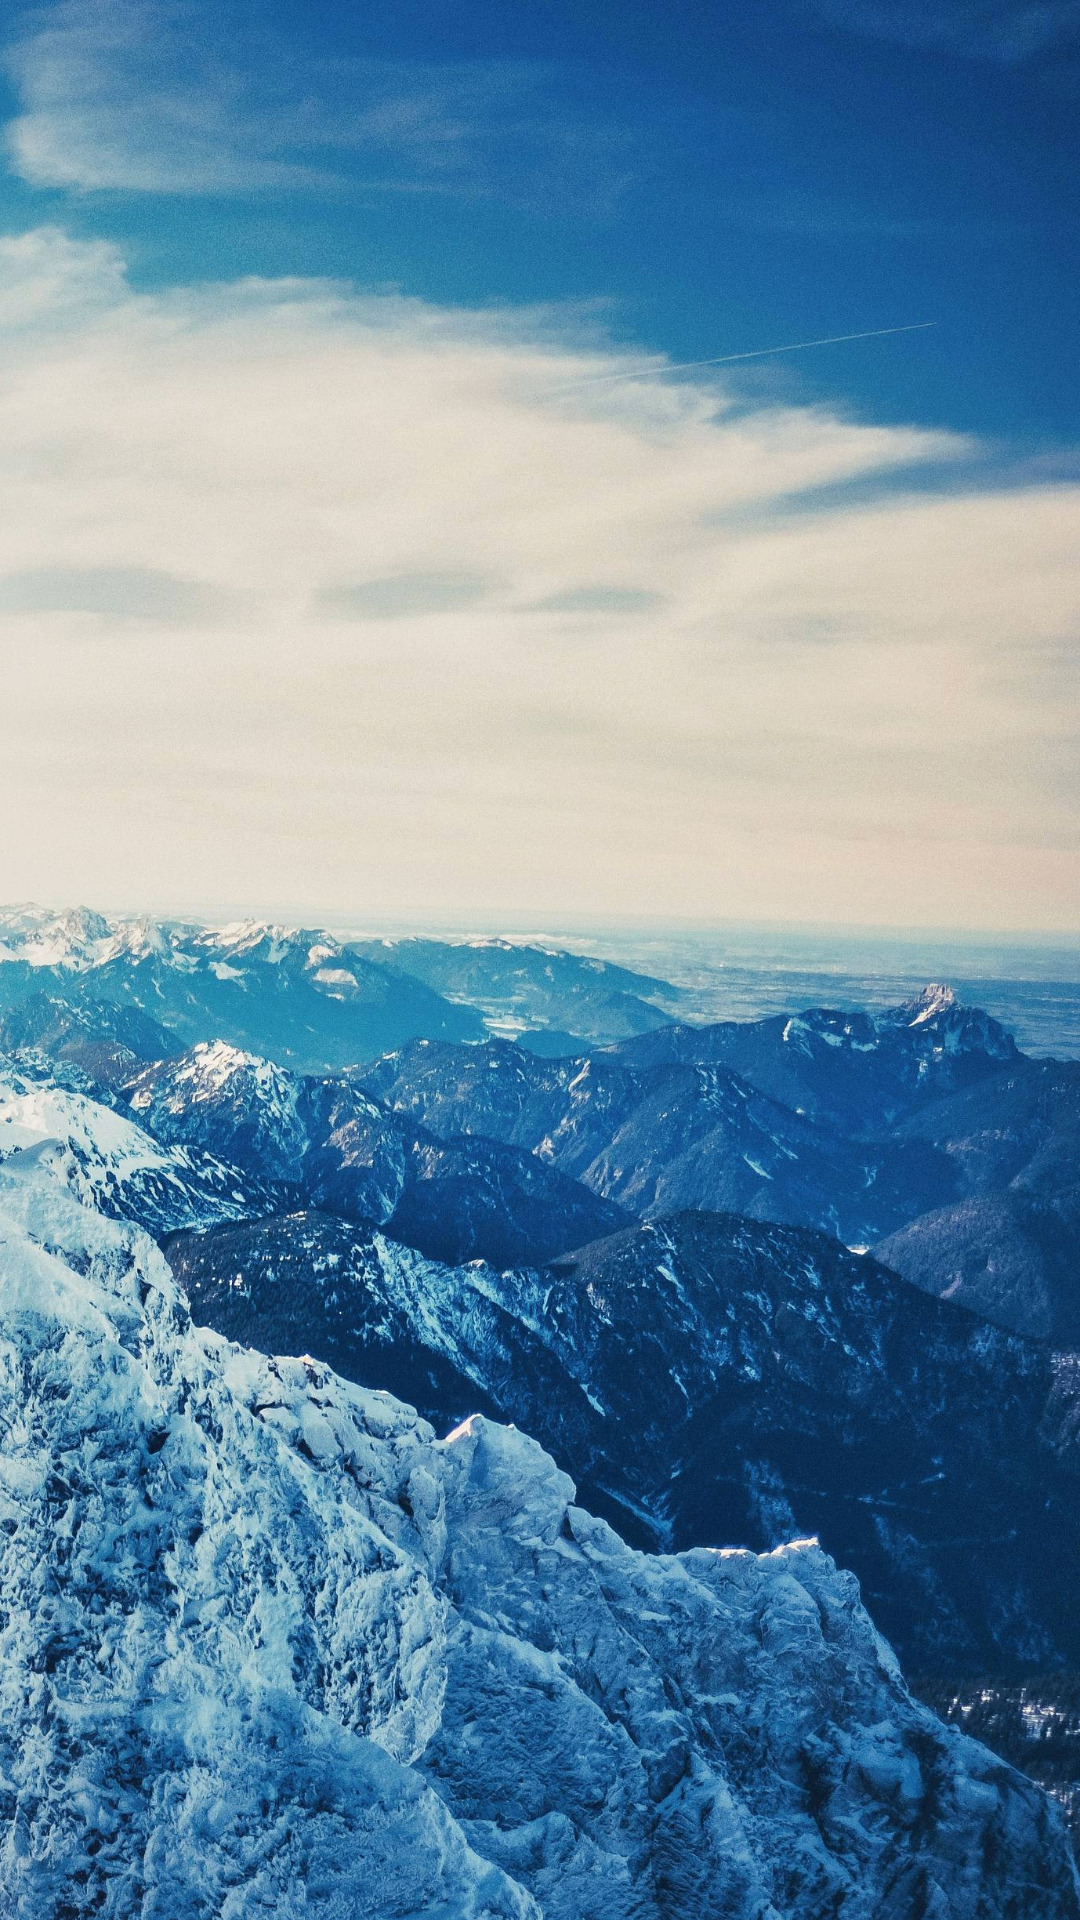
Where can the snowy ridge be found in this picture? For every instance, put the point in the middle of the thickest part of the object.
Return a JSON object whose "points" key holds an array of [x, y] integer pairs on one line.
{"points": [[109, 1163], [326, 1136], [269, 1646], [260, 1096], [80, 941]]}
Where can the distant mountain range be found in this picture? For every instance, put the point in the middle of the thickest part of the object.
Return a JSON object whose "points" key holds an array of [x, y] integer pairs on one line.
{"points": [[539, 995], [313, 1001], [293, 994]]}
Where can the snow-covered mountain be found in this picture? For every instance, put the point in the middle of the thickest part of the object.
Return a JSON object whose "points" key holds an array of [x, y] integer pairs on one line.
{"points": [[270, 1646], [335, 1148], [108, 1162], [293, 994], [919, 1130], [787, 1383], [856, 1072]]}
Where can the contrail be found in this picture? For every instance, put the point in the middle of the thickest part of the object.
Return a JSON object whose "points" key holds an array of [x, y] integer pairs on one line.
{"points": [[725, 359]]}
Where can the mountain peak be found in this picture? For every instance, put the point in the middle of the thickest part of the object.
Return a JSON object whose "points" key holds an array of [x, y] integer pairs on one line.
{"points": [[934, 999]]}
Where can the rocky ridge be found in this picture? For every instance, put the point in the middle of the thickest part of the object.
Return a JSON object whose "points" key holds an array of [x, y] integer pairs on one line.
{"points": [[269, 1643]]}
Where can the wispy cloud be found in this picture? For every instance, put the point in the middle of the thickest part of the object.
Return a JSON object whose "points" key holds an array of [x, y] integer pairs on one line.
{"points": [[396, 596], [606, 600], [143, 594], [173, 96], [327, 594], [1007, 31]]}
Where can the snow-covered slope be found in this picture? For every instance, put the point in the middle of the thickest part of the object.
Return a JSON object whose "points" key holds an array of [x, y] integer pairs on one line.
{"points": [[111, 1164], [276, 1123], [268, 1647]]}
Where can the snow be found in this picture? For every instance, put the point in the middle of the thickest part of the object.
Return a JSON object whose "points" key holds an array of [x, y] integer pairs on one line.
{"points": [[268, 1646], [106, 1161], [928, 1004], [211, 1066]]}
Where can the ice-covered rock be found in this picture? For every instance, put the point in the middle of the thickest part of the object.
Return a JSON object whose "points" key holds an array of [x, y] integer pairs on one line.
{"points": [[267, 1646]]}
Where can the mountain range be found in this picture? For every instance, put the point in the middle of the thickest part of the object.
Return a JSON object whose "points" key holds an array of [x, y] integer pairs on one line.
{"points": [[922, 1132], [696, 1263], [707, 1378], [294, 994]]}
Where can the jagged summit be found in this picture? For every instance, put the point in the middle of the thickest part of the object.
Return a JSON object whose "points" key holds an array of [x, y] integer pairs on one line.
{"points": [[926, 1005]]}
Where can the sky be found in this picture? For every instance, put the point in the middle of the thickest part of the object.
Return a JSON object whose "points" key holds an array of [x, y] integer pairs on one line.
{"points": [[361, 557]]}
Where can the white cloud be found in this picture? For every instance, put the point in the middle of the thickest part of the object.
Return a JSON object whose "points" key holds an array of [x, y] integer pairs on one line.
{"points": [[1005, 31], [341, 603], [170, 96]]}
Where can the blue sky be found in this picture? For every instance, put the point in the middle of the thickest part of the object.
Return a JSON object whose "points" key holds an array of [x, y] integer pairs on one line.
{"points": [[715, 177], [340, 572]]}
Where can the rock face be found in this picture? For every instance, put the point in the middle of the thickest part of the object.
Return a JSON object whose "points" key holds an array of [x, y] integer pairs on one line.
{"points": [[708, 1378], [266, 1645]]}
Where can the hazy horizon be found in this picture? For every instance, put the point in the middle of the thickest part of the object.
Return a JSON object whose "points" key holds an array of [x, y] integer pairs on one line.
{"points": [[526, 923]]}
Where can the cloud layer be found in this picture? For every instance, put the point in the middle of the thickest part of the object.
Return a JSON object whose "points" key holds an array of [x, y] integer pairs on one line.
{"points": [[162, 96], [332, 602]]}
